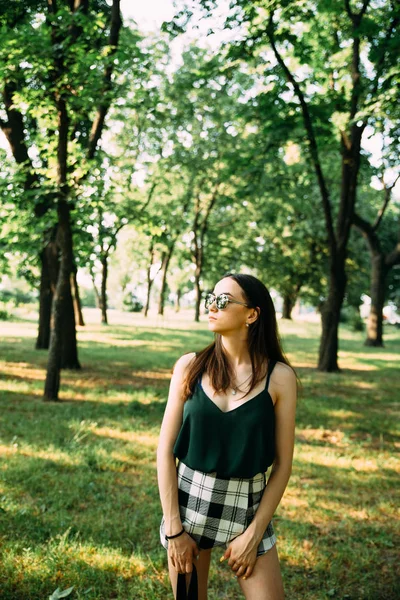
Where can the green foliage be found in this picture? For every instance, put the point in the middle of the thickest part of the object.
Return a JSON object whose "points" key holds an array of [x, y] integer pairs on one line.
{"points": [[351, 316], [17, 296], [132, 303], [5, 315], [223, 123], [88, 297]]}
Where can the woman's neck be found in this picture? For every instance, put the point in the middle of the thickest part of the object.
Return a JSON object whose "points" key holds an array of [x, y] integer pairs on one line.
{"points": [[236, 349]]}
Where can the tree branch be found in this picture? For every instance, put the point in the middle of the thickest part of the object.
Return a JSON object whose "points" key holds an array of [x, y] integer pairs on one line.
{"points": [[14, 130], [310, 135], [98, 123], [355, 16], [387, 196]]}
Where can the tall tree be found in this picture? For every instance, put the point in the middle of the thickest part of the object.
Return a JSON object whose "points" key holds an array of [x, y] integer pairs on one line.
{"points": [[383, 259], [344, 55], [62, 82]]}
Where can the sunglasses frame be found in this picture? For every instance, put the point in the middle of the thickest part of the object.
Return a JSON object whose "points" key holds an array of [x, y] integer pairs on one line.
{"points": [[216, 298]]}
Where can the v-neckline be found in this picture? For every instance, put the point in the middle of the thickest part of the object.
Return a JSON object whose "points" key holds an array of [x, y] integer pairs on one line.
{"points": [[226, 412]]}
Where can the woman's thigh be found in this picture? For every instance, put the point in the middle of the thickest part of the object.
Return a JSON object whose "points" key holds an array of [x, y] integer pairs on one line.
{"points": [[202, 567], [265, 582]]}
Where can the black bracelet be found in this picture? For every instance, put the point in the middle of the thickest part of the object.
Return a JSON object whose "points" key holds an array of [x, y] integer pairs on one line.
{"points": [[171, 537]]}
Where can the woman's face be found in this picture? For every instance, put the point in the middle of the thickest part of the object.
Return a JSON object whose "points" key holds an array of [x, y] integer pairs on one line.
{"points": [[233, 316]]}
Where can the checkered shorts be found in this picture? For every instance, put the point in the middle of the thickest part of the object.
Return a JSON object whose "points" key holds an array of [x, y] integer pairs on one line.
{"points": [[214, 510]]}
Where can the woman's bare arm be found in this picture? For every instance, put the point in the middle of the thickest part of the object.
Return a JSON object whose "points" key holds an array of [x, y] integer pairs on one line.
{"points": [[183, 548], [285, 414]]}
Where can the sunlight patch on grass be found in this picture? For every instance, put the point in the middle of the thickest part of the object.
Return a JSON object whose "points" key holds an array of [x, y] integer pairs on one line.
{"points": [[11, 328], [115, 341], [381, 357], [146, 439], [364, 385], [359, 515], [342, 413], [108, 339], [110, 560], [55, 456], [20, 387], [329, 458], [364, 464], [7, 451], [151, 375], [72, 396], [292, 499], [322, 435], [21, 369]]}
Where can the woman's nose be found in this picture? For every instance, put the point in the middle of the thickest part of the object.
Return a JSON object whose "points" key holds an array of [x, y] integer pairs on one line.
{"points": [[213, 304]]}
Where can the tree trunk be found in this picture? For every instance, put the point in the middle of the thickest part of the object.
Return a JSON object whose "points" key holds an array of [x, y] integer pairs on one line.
{"points": [[149, 286], [103, 291], [178, 299], [197, 287], [381, 264], [62, 306], [289, 300], [63, 350], [164, 268], [199, 234], [375, 317], [149, 279], [69, 347], [48, 282], [76, 299], [96, 292], [330, 315]]}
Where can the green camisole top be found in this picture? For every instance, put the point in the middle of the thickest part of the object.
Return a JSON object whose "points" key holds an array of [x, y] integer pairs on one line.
{"points": [[236, 443]]}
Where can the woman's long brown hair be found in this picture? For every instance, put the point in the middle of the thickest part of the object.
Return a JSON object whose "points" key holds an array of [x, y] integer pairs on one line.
{"points": [[263, 338]]}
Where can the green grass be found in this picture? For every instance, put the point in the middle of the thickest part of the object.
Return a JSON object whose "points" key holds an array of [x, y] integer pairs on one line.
{"points": [[79, 504]]}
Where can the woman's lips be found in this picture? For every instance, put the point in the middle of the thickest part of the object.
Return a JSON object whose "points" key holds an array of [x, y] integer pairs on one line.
{"points": [[212, 319]]}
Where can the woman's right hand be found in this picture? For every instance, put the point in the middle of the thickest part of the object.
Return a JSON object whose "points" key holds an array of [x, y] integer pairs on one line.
{"points": [[183, 551]]}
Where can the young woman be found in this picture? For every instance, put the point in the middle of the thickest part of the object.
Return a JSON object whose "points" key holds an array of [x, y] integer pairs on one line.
{"points": [[230, 415]]}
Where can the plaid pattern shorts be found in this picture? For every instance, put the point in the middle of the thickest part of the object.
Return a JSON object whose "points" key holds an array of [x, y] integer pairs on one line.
{"points": [[214, 511]]}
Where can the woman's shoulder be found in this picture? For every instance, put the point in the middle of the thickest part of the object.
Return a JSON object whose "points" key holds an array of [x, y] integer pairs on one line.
{"points": [[283, 372], [183, 362], [284, 380]]}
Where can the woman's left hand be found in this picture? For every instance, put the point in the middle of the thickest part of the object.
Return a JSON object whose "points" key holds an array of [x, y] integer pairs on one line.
{"points": [[242, 555]]}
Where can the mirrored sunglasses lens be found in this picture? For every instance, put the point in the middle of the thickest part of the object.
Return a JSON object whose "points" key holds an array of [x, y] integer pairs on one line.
{"points": [[222, 301], [209, 300]]}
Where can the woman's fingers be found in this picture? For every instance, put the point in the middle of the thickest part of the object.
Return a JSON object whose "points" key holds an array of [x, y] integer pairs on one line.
{"points": [[241, 570], [189, 566], [248, 571], [236, 566], [178, 563]]}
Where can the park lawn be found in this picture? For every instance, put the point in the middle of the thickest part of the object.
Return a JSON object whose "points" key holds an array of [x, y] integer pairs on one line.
{"points": [[79, 504]]}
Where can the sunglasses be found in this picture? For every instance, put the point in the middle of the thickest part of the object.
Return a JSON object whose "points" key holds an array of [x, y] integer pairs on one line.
{"points": [[222, 301]]}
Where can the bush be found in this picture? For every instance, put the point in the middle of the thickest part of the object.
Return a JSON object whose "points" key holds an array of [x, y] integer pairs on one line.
{"points": [[351, 316], [131, 303], [6, 310], [88, 297], [17, 296]]}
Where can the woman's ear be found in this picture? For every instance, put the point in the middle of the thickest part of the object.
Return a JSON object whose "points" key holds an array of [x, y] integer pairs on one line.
{"points": [[257, 313]]}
